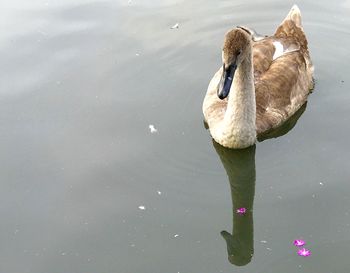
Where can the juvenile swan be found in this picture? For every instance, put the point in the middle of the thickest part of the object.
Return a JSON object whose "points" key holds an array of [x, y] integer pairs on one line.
{"points": [[263, 81]]}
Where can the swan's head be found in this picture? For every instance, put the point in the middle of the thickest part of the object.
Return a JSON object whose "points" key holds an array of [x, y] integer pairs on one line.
{"points": [[237, 45]]}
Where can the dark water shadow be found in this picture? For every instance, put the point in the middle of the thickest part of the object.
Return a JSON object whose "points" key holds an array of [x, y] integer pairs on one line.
{"points": [[240, 169]]}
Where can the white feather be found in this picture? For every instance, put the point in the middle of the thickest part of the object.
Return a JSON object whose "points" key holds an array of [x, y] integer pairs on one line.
{"points": [[279, 50]]}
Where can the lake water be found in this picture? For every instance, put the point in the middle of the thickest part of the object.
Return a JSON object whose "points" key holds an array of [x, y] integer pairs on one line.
{"points": [[87, 188]]}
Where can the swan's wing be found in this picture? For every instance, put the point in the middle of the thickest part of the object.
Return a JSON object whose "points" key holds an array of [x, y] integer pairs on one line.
{"points": [[291, 29], [283, 72], [288, 37], [263, 52], [266, 51], [281, 90]]}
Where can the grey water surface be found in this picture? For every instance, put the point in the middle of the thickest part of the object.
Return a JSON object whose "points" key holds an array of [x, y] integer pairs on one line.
{"points": [[86, 187]]}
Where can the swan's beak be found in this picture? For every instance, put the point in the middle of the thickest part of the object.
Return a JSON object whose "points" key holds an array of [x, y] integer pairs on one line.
{"points": [[226, 80]]}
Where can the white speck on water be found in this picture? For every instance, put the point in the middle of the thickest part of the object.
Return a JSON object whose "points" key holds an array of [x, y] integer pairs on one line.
{"points": [[176, 235], [152, 129], [314, 195], [279, 197], [132, 245], [42, 32], [96, 97], [268, 248], [263, 241], [142, 207], [137, 54], [321, 184], [63, 253], [159, 192], [175, 26]]}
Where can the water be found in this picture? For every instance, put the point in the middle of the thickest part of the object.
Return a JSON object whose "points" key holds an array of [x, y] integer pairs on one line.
{"points": [[86, 186]]}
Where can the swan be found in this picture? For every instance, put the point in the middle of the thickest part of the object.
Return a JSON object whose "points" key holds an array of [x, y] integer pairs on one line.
{"points": [[263, 81]]}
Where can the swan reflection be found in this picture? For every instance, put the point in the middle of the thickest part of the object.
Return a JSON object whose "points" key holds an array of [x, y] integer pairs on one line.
{"points": [[240, 169]]}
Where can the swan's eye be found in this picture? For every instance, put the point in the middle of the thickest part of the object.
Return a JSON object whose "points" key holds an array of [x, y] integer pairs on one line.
{"points": [[239, 52]]}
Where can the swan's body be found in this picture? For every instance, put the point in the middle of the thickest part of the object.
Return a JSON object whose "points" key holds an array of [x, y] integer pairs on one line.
{"points": [[266, 79]]}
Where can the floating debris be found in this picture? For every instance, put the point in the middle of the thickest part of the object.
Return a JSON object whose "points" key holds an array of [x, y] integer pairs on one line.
{"points": [[299, 242], [142, 207], [176, 235], [304, 252], [137, 54], [175, 26], [321, 184], [159, 192], [241, 211], [263, 242], [152, 129]]}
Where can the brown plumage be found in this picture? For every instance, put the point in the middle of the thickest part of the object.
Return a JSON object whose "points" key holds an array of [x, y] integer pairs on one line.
{"points": [[275, 90], [282, 79]]}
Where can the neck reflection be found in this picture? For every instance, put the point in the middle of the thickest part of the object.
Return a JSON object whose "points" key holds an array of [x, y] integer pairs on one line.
{"points": [[240, 169]]}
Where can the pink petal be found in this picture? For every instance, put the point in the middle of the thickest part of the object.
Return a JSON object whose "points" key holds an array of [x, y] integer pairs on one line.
{"points": [[299, 242], [241, 211], [304, 252]]}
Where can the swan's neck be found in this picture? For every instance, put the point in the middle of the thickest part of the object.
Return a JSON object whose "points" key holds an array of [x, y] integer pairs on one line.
{"points": [[238, 126]]}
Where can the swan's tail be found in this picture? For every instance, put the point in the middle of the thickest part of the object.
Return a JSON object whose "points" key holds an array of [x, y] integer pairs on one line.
{"points": [[294, 15], [291, 27]]}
